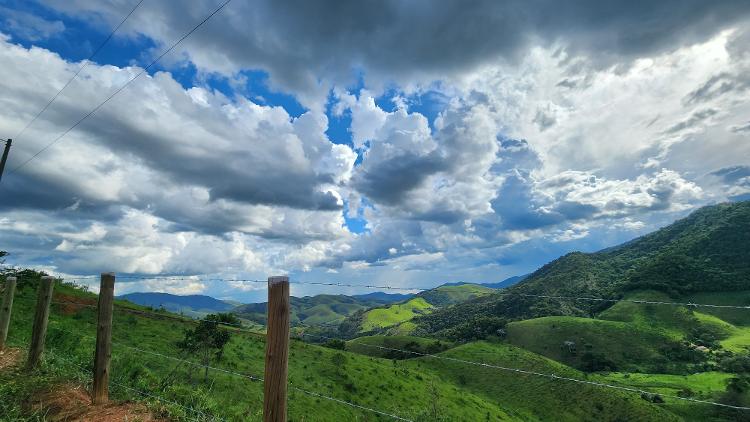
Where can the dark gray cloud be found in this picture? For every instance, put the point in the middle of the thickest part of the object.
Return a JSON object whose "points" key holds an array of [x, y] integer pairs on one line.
{"points": [[732, 174], [694, 119], [717, 86], [741, 128], [390, 180], [299, 42]]}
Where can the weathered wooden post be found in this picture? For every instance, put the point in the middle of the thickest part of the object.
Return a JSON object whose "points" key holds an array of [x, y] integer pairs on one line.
{"points": [[277, 350], [41, 317], [103, 354], [7, 308]]}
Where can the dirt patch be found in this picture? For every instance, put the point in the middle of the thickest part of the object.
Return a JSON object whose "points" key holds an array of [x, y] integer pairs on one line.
{"points": [[10, 357], [73, 403], [69, 305]]}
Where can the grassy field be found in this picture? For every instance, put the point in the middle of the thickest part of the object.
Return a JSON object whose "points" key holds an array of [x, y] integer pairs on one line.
{"points": [[534, 398], [364, 380], [396, 317], [419, 388], [627, 346], [368, 345], [394, 314]]}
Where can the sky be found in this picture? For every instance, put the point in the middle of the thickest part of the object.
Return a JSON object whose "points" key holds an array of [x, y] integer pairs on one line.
{"points": [[375, 142]]}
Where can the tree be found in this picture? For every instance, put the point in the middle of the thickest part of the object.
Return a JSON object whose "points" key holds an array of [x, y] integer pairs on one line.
{"points": [[205, 340], [225, 318]]}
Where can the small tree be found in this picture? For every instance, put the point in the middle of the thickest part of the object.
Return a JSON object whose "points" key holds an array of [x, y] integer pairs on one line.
{"points": [[205, 340]]}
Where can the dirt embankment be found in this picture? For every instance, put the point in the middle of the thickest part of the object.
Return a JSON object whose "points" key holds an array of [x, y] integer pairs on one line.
{"points": [[68, 402]]}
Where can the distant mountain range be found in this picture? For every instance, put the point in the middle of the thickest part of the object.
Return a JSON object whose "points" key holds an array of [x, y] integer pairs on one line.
{"points": [[310, 310], [191, 305], [321, 309]]}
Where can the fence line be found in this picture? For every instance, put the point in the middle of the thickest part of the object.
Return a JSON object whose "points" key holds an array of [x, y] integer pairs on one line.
{"points": [[388, 287], [154, 396], [434, 356], [379, 412], [237, 374]]}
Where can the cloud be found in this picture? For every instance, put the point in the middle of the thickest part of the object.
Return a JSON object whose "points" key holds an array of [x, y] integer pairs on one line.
{"points": [[741, 128], [306, 47], [216, 165], [499, 145], [28, 26]]}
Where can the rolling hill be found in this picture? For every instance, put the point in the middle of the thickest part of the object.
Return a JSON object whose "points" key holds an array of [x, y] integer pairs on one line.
{"points": [[704, 252], [396, 318], [421, 389], [320, 309]]}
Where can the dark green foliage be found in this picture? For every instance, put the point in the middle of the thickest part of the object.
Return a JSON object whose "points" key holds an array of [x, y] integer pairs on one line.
{"points": [[335, 343], [224, 318], [706, 335], [596, 361], [204, 340], [735, 363], [477, 328]]}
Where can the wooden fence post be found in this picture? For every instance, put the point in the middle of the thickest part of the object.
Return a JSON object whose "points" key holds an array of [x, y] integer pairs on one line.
{"points": [[7, 307], [41, 316], [103, 354], [277, 350]]}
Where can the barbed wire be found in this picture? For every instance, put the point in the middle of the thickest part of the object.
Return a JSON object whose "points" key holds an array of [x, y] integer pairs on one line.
{"points": [[446, 358], [539, 374], [154, 396], [369, 409], [500, 293], [237, 374], [158, 315]]}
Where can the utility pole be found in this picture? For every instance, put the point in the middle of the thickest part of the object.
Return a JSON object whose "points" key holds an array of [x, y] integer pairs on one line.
{"points": [[5, 157]]}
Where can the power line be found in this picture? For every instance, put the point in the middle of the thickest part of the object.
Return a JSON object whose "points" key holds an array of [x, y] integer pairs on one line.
{"points": [[83, 66], [144, 70], [540, 374]]}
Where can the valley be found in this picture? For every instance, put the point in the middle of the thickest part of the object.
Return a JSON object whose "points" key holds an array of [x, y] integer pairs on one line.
{"points": [[587, 337]]}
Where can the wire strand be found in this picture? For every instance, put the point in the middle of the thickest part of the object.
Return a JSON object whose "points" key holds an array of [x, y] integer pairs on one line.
{"points": [[141, 72], [83, 66], [369, 409], [540, 374], [154, 396], [388, 287]]}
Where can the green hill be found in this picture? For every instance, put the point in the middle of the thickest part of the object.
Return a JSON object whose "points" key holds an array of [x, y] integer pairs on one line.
{"points": [[704, 252], [320, 309], [419, 389], [351, 377], [534, 398], [396, 318]]}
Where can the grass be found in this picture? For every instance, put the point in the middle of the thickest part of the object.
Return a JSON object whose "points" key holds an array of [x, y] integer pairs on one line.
{"points": [[702, 386], [560, 400], [368, 345], [364, 380], [420, 389], [625, 345], [394, 314]]}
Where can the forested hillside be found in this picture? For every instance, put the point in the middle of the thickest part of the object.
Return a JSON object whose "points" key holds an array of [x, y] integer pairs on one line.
{"points": [[704, 252]]}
